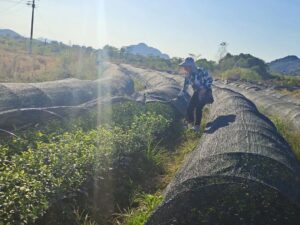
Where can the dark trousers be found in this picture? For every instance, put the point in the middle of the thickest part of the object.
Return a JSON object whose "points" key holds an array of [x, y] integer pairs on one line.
{"points": [[195, 106]]}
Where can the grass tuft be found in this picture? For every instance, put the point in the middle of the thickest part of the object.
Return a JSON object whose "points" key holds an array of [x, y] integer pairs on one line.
{"points": [[291, 136], [146, 204]]}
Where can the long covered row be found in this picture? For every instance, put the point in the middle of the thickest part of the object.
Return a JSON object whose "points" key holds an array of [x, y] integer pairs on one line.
{"points": [[68, 92], [159, 86], [242, 172], [267, 91], [281, 106], [25, 105]]}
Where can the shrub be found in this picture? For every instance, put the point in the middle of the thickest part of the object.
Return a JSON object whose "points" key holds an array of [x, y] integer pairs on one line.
{"points": [[36, 173], [245, 61], [241, 74]]}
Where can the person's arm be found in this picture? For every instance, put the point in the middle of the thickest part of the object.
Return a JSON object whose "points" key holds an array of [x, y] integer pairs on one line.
{"points": [[185, 86], [208, 80]]}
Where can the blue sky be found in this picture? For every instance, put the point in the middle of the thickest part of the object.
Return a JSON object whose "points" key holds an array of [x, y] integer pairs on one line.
{"points": [[268, 29]]}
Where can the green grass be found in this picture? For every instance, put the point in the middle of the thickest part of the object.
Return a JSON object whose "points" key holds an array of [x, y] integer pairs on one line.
{"points": [[292, 136], [82, 218], [145, 203], [55, 61], [47, 62], [137, 216], [284, 80], [240, 74]]}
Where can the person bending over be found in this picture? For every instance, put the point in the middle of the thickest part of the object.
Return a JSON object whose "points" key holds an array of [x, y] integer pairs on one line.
{"points": [[201, 82]]}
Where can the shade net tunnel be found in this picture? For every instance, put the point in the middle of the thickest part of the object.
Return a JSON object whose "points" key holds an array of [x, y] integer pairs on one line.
{"points": [[24, 105], [242, 172], [29, 103], [159, 87], [279, 105]]}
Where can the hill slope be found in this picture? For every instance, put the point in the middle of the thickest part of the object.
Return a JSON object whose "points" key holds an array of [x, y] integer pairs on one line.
{"points": [[145, 50], [289, 65], [243, 66], [9, 33]]}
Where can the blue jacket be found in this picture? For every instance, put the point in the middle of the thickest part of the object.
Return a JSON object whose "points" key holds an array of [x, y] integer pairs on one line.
{"points": [[198, 79]]}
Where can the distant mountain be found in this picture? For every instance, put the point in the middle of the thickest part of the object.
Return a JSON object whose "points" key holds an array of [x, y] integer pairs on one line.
{"points": [[9, 33], [289, 65], [245, 61], [144, 50]]}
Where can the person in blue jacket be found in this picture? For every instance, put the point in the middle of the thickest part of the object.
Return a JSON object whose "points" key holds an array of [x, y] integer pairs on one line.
{"points": [[201, 82]]}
